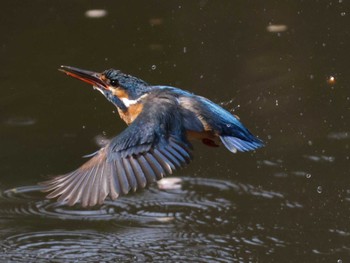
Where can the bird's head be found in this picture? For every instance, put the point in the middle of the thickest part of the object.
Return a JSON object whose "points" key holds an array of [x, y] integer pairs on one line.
{"points": [[119, 88]]}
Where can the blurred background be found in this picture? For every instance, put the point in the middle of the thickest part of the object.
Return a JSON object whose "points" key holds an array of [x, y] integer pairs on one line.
{"points": [[282, 66]]}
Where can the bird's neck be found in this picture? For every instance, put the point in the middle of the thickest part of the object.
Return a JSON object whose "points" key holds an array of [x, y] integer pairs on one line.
{"points": [[133, 109]]}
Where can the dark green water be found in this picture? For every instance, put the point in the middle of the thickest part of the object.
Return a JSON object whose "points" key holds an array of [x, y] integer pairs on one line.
{"points": [[288, 202]]}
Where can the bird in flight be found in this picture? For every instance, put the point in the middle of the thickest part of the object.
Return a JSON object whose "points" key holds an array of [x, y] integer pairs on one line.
{"points": [[161, 122]]}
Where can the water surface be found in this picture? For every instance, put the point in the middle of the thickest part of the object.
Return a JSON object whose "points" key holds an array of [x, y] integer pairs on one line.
{"points": [[282, 66]]}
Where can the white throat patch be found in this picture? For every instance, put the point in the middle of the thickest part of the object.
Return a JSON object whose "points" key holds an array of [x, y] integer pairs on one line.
{"points": [[128, 102]]}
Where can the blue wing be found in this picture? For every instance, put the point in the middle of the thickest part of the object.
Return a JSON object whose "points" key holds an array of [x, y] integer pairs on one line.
{"points": [[153, 146]]}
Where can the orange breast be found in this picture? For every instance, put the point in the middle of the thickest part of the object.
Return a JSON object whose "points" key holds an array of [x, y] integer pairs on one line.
{"points": [[131, 114], [133, 110]]}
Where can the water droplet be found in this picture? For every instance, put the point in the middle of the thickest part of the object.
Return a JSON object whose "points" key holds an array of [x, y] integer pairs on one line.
{"points": [[331, 80], [153, 67], [95, 13], [170, 183], [185, 49], [84, 127], [319, 189], [276, 28], [342, 13], [228, 125], [156, 21], [339, 261], [308, 176], [276, 102]]}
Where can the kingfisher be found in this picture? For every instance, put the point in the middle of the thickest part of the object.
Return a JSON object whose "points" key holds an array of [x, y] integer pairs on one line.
{"points": [[162, 120]]}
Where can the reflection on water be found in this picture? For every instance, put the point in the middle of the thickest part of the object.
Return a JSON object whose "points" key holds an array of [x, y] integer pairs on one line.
{"points": [[151, 220], [20, 121], [185, 219], [96, 13], [193, 202]]}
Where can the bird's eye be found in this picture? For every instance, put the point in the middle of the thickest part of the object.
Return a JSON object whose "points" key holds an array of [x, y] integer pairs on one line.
{"points": [[114, 82]]}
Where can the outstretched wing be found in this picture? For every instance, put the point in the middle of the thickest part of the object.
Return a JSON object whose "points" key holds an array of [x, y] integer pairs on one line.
{"points": [[153, 146]]}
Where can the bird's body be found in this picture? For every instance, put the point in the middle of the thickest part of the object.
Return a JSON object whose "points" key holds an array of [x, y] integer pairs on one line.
{"points": [[161, 122]]}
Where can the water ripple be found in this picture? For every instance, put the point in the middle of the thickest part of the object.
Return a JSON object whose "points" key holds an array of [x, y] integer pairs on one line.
{"points": [[71, 246], [126, 245], [194, 200], [343, 135], [194, 221], [320, 158], [20, 121]]}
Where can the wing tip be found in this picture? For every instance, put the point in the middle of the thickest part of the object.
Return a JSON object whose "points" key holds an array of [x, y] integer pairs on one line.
{"points": [[102, 177]]}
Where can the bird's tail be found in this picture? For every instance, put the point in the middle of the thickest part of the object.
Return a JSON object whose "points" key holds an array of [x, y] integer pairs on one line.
{"points": [[235, 144]]}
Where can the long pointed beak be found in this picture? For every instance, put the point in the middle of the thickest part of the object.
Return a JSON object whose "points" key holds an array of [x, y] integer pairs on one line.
{"points": [[89, 77], [96, 81]]}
